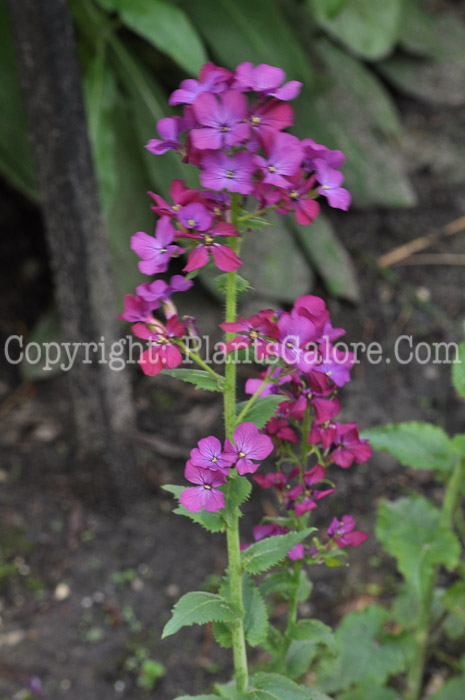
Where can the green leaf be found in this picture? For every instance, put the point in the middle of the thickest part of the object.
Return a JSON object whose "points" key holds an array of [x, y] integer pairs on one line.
{"points": [[369, 28], [282, 582], [198, 697], [244, 31], [16, 156], [272, 686], [454, 602], [262, 555], [100, 94], [370, 691], [196, 609], [362, 654], [315, 630], [255, 615], [168, 28], [299, 657], [417, 30], [242, 285], [440, 79], [237, 491], [213, 522], [454, 689], [199, 377], [458, 371], [330, 8], [261, 411], [329, 257], [409, 530], [416, 445]]}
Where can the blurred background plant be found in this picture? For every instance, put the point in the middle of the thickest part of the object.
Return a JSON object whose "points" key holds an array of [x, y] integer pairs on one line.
{"points": [[134, 52]]}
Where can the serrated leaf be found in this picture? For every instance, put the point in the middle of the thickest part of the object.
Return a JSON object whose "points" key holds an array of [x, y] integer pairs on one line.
{"points": [[261, 411], [168, 28], [255, 615], [282, 582], [213, 522], [409, 530], [299, 657], [369, 28], [242, 285], [315, 630], [197, 608], [329, 257], [199, 377], [226, 690], [416, 445], [458, 371], [237, 491], [362, 654], [273, 686], [454, 689], [262, 555]]}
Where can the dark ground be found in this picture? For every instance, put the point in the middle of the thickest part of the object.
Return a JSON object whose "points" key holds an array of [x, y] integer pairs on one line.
{"points": [[85, 591]]}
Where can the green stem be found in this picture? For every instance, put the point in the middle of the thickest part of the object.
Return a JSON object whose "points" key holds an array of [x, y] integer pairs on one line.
{"points": [[198, 360], [254, 214], [451, 500], [252, 400], [232, 527]]}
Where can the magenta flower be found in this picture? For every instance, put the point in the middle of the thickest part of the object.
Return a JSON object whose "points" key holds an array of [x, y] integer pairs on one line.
{"points": [[267, 530], [349, 447], [265, 79], [325, 434], [138, 309], [343, 533], [155, 251], [169, 130], [160, 291], [329, 180], [325, 409], [314, 309], [180, 194], [280, 429], [206, 495], [254, 330], [248, 445], [295, 332], [283, 158], [296, 197], [209, 455], [211, 79], [163, 353], [222, 120], [335, 363], [271, 116], [234, 174], [314, 151], [266, 481], [195, 216], [225, 258]]}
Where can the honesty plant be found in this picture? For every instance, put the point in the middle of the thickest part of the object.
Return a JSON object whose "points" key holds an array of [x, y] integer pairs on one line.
{"points": [[232, 130]]}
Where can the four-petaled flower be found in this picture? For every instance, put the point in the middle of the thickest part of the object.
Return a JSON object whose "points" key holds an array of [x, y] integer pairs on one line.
{"points": [[155, 251], [206, 495], [248, 445]]}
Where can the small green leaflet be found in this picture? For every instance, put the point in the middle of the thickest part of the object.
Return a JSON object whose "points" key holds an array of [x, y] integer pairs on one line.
{"points": [[315, 630], [261, 411], [416, 445], [197, 608], [213, 522], [268, 552], [236, 492], [458, 371], [199, 377], [242, 285], [255, 615]]}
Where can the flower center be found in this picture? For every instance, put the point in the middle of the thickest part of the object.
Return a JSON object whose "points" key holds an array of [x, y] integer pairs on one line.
{"points": [[271, 169], [325, 187], [253, 335], [162, 341], [214, 460], [176, 207], [217, 211], [230, 173], [294, 194], [242, 455], [163, 250], [208, 240], [207, 486], [256, 120], [289, 344], [191, 222], [225, 128]]}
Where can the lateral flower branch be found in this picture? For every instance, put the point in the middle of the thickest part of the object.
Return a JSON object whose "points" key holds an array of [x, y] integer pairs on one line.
{"points": [[233, 130]]}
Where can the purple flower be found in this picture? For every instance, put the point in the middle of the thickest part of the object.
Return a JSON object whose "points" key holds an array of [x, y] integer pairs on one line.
{"points": [[265, 79], [248, 445], [180, 194], [159, 290], [234, 174], [138, 309], [209, 455], [155, 251], [163, 353], [329, 180], [284, 156], [225, 258], [349, 446], [169, 130], [211, 79], [336, 364], [206, 495], [271, 116], [295, 332], [344, 534], [312, 151], [222, 119], [195, 216]]}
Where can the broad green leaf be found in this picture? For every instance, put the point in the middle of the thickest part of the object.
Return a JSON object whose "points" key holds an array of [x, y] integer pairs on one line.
{"points": [[406, 607], [458, 445], [454, 689], [369, 28], [197, 697], [458, 371], [315, 630], [370, 691], [354, 113], [417, 30], [199, 377], [255, 615], [330, 258], [262, 555], [272, 686], [299, 657], [330, 8], [196, 609], [100, 93], [454, 602], [282, 582], [168, 28], [226, 690], [416, 445], [261, 411], [213, 522], [362, 654], [250, 31], [16, 157], [409, 530], [439, 80], [237, 491]]}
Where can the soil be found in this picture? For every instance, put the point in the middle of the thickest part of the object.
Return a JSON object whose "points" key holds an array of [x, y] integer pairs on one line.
{"points": [[85, 589]]}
